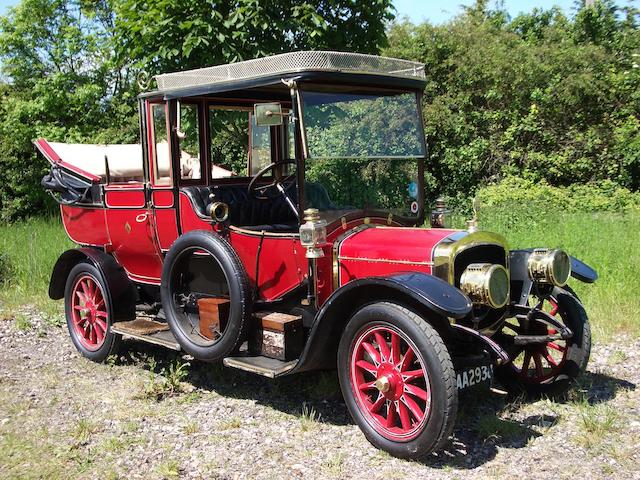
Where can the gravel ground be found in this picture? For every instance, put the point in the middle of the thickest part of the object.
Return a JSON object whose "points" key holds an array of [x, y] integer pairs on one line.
{"points": [[62, 416]]}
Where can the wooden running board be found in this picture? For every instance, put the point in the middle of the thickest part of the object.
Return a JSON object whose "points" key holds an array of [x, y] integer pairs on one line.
{"points": [[163, 338], [267, 367]]}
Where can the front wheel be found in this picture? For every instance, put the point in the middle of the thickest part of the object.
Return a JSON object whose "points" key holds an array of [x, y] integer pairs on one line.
{"points": [[546, 368], [397, 380]]}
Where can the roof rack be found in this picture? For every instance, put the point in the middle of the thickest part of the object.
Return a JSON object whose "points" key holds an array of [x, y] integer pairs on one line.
{"points": [[292, 62]]}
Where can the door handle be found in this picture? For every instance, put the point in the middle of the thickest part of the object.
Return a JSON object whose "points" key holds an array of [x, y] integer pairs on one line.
{"points": [[142, 217]]}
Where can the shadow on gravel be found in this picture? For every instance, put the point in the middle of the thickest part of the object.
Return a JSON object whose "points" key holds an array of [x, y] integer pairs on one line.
{"points": [[479, 433]]}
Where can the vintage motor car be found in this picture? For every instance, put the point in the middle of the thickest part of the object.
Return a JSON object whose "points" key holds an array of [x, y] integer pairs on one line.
{"points": [[273, 218]]}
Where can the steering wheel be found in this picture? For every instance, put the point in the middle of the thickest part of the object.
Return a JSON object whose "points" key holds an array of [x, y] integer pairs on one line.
{"points": [[278, 186]]}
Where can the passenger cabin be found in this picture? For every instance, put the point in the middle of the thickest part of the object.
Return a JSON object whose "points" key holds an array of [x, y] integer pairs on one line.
{"points": [[201, 144]]}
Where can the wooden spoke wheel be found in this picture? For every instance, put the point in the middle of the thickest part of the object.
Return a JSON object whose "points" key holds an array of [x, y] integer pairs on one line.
{"points": [[546, 368], [88, 312], [397, 380], [390, 382]]}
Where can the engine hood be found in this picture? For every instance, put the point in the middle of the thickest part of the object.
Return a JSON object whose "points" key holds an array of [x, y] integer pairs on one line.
{"points": [[380, 251]]}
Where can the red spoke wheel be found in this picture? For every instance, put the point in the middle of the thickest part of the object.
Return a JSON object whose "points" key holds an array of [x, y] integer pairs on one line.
{"points": [[89, 312], [547, 368], [391, 384], [397, 379], [87, 306]]}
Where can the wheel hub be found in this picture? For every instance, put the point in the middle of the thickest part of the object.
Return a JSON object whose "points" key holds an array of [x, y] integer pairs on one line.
{"points": [[389, 382], [383, 384]]}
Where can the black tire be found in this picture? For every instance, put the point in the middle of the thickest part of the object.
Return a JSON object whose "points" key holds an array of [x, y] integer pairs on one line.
{"points": [[111, 341], [439, 420], [578, 349], [238, 288]]}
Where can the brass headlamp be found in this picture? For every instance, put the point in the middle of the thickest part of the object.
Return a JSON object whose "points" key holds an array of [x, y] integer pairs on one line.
{"points": [[486, 284], [313, 233], [552, 267]]}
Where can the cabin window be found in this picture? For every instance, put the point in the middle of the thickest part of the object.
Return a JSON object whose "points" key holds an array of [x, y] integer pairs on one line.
{"points": [[229, 131], [260, 146], [161, 155], [189, 138]]}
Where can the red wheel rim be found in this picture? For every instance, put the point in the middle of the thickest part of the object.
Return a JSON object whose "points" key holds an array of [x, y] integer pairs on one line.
{"points": [[89, 312], [390, 383], [541, 363]]}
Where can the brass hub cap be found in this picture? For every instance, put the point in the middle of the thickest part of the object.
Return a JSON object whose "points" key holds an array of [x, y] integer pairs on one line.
{"points": [[383, 384]]}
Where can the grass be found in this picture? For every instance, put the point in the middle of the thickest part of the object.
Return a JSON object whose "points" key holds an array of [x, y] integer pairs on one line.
{"points": [[168, 383], [309, 418], [596, 423], [28, 251], [606, 241]]}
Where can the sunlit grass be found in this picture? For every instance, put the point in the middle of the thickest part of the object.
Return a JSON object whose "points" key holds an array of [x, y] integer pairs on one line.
{"points": [[28, 251]]}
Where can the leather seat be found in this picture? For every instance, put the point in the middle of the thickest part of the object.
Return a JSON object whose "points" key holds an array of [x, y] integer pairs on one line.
{"points": [[273, 215]]}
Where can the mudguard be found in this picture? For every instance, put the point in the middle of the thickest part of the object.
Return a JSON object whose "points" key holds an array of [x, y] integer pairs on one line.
{"points": [[521, 283], [121, 290], [518, 266], [423, 292]]}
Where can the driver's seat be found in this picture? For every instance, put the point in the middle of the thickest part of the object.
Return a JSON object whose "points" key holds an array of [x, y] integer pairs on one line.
{"points": [[246, 212]]}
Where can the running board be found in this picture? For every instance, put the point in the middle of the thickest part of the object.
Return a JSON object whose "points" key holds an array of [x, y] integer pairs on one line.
{"points": [[267, 367], [164, 338]]}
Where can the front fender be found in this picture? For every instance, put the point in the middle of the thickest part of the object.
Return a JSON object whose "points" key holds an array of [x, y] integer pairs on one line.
{"points": [[424, 293], [521, 283]]}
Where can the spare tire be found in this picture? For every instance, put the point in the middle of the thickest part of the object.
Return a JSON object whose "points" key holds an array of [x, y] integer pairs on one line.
{"points": [[202, 264]]}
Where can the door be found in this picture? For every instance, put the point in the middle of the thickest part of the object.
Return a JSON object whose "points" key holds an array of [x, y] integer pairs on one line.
{"points": [[130, 215]]}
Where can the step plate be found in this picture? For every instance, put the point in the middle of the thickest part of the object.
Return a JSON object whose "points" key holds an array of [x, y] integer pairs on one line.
{"points": [[164, 338], [267, 367]]}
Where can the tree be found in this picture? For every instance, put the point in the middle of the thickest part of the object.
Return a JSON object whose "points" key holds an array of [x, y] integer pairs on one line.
{"points": [[70, 65], [172, 35]]}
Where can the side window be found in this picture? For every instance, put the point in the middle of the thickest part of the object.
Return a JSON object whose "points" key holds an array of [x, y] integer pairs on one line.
{"points": [[161, 158], [229, 133], [260, 146], [190, 165]]}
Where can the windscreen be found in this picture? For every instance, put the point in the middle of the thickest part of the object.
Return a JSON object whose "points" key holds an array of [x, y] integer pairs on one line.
{"points": [[348, 125]]}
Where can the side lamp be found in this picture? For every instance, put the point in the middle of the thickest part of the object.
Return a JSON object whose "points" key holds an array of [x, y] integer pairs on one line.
{"points": [[313, 233]]}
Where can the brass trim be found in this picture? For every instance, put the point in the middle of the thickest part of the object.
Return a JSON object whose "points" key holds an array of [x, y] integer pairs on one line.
{"points": [[445, 252], [259, 233], [385, 260], [336, 251]]}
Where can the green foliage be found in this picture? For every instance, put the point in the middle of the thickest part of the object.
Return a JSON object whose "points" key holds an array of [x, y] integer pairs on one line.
{"points": [[66, 84], [542, 95], [30, 249], [540, 196], [174, 35], [168, 383]]}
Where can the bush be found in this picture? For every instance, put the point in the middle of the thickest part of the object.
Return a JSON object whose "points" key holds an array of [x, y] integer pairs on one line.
{"points": [[539, 195]]}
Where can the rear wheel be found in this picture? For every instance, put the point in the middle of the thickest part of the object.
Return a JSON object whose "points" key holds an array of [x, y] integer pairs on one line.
{"points": [[546, 368], [397, 380], [88, 312]]}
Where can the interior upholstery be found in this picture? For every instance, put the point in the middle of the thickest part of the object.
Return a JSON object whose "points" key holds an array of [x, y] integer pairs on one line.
{"points": [[248, 212]]}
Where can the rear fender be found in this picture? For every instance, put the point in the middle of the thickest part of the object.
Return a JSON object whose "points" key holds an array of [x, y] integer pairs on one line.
{"points": [[429, 296], [121, 289]]}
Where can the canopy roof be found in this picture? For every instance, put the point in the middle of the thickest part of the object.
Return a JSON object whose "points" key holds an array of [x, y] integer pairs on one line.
{"points": [[218, 77]]}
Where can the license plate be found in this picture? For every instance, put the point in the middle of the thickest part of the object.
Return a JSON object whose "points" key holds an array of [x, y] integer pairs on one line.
{"points": [[470, 377]]}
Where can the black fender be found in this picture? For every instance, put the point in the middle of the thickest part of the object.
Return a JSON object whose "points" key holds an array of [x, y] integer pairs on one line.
{"points": [[122, 292], [430, 296], [521, 283]]}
